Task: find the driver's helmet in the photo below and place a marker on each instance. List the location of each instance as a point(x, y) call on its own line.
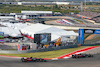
point(30, 57)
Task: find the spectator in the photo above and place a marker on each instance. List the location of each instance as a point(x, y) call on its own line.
point(66, 44)
point(41, 45)
point(44, 47)
point(47, 46)
point(56, 45)
point(51, 45)
point(37, 45)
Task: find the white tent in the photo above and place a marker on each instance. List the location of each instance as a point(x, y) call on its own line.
point(14, 25)
point(10, 32)
point(6, 17)
point(41, 28)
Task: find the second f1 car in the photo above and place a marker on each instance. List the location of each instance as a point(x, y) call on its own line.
point(81, 55)
point(33, 59)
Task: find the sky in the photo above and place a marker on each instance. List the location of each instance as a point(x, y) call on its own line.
point(50, 0)
point(63, 0)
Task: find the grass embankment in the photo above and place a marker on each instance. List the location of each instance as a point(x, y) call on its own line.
point(92, 38)
point(81, 22)
point(48, 54)
point(5, 8)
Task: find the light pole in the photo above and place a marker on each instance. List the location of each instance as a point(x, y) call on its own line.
point(5, 0)
point(90, 0)
point(85, 5)
point(81, 6)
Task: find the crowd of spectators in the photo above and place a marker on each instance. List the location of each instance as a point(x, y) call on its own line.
point(93, 15)
point(52, 45)
point(89, 14)
point(83, 25)
point(96, 19)
point(42, 46)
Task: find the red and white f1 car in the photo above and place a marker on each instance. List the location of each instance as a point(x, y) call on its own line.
point(33, 59)
point(81, 55)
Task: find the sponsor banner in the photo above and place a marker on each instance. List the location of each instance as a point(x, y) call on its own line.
point(89, 18)
point(83, 17)
point(1, 37)
point(97, 32)
point(89, 31)
point(43, 38)
point(78, 15)
point(81, 36)
point(86, 31)
point(64, 21)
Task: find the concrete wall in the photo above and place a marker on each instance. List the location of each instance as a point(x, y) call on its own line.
point(90, 44)
point(46, 49)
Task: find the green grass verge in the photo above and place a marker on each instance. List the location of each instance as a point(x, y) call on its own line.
point(18, 8)
point(79, 21)
point(48, 54)
point(1, 36)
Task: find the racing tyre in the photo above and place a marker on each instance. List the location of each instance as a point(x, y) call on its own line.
point(22, 59)
point(73, 56)
point(44, 61)
point(90, 55)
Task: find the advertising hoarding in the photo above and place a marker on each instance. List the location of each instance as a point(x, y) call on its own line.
point(42, 38)
point(86, 31)
point(1, 37)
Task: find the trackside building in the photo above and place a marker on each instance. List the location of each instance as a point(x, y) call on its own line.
point(41, 13)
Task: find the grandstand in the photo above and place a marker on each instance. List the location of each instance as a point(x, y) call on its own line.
point(92, 38)
point(90, 15)
point(97, 19)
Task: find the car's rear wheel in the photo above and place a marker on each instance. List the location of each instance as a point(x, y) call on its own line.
point(22, 59)
point(73, 56)
point(90, 55)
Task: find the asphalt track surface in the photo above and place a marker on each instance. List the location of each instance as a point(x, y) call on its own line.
point(71, 62)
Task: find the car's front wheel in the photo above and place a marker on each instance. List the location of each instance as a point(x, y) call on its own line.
point(22, 59)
